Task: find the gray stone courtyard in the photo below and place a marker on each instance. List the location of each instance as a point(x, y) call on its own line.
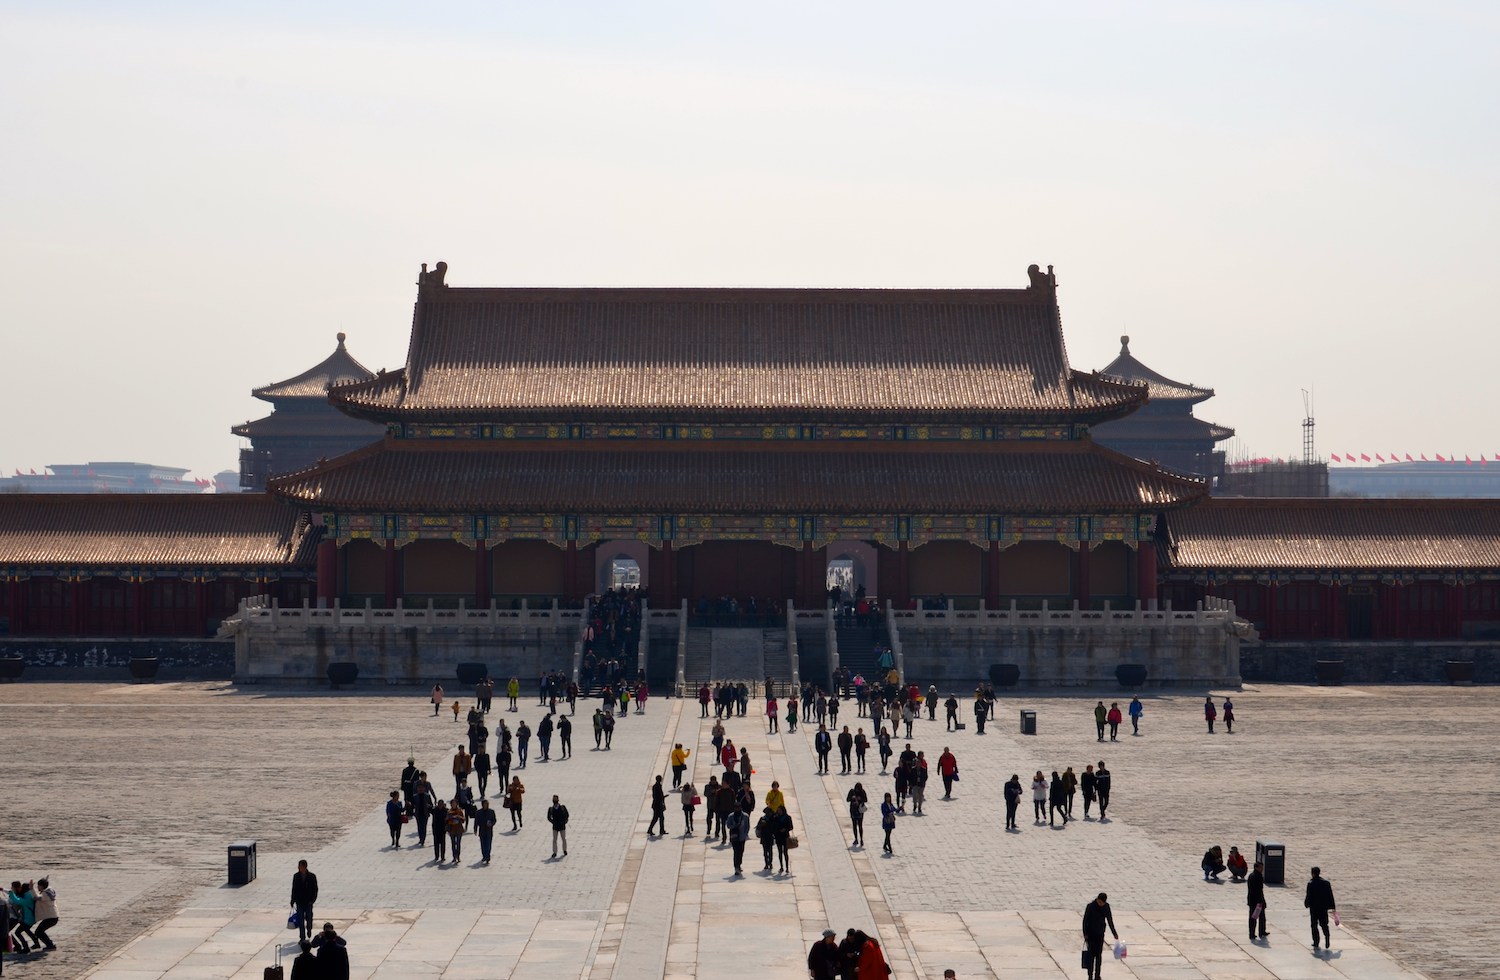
point(126, 796)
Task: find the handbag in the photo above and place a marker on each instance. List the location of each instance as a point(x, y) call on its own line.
point(1088, 959)
point(293, 920)
point(696, 801)
point(1120, 951)
point(863, 807)
point(955, 775)
point(792, 842)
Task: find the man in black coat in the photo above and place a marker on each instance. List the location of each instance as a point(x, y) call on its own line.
point(333, 957)
point(1096, 915)
point(823, 743)
point(658, 808)
point(1255, 898)
point(1319, 902)
point(846, 749)
point(304, 896)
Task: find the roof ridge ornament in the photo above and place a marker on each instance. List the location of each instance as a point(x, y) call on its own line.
point(1041, 281)
point(434, 279)
point(1125, 343)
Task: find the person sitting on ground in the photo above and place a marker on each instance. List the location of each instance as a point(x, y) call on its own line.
point(1238, 868)
point(1213, 863)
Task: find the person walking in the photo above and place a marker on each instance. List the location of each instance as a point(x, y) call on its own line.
point(463, 764)
point(598, 726)
point(823, 745)
point(782, 824)
point(609, 730)
point(917, 782)
point(1038, 797)
point(1210, 713)
point(765, 832)
point(704, 694)
point(1097, 915)
point(861, 746)
point(544, 737)
point(1012, 801)
point(523, 742)
point(888, 822)
point(1318, 900)
point(513, 796)
point(1114, 717)
point(689, 793)
point(738, 823)
point(1101, 717)
point(846, 750)
point(565, 736)
point(981, 712)
point(482, 771)
point(1228, 716)
point(746, 771)
point(1070, 788)
point(437, 699)
point(658, 808)
point(1101, 788)
point(513, 692)
point(932, 700)
point(1136, 710)
point(484, 829)
point(725, 799)
point(1057, 799)
point(1255, 899)
point(395, 815)
point(679, 764)
point(884, 738)
point(22, 906)
point(557, 816)
point(858, 801)
point(1089, 784)
point(948, 769)
point(458, 822)
point(440, 831)
point(304, 897)
point(45, 912)
point(771, 714)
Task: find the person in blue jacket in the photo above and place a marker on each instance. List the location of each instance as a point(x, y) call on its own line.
point(1136, 710)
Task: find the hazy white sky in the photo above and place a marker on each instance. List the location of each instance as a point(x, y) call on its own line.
point(1264, 196)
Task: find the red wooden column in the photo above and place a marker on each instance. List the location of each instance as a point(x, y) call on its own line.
point(1081, 581)
point(141, 619)
point(75, 613)
point(570, 573)
point(1398, 602)
point(903, 585)
point(1458, 595)
point(200, 599)
point(328, 572)
point(1270, 611)
point(392, 574)
point(17, 590)
point(1331, 619)
point(992, 577)
point(1145, 572)
point(481, 575)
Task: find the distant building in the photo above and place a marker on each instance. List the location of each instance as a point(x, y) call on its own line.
point(1164, 430)
point(227, 481)
point(1273, 478)
point(1425, 479)
point(103, 478)
point(303, 428)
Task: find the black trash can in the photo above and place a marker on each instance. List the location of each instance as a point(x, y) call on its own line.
point(1273, 855)
point(242, 862)
point(1028, 723)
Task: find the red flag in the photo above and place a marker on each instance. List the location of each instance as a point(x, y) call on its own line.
point(1424, 456)
point(1335, 457)
point(91, 472)
point(1440, 458)
point(1409, 459)
point(33, 472)
point(1467, 460)
point(1364, 457)
point(1379, 458)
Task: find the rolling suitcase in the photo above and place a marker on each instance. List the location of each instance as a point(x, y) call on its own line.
point(275, 972)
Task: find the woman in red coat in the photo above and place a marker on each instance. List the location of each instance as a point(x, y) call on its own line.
point(872, 961)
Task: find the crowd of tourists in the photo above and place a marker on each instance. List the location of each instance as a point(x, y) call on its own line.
point(30, 910)
point(610, 638)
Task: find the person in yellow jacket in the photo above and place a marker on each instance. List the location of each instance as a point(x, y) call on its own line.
point(513, 691)
point(679, 763)
point(775, 798)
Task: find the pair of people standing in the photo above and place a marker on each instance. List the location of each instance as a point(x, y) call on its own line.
point(1209, 714)
point(1110, 716)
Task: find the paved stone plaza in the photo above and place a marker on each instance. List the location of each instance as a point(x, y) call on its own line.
point(131, 793)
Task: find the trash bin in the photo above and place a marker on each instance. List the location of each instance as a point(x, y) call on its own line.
point(1028, 723)
point(242, 862)
point(1273, 855)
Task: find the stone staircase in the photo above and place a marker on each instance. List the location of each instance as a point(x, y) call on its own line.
point(857, 649)
point(776, 659)
point(700, 657)
point(738, 655)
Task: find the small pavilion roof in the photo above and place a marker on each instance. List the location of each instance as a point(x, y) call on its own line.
point(150, 530)
point(337, 368)
point(1336, 533)
point(1127, 369)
